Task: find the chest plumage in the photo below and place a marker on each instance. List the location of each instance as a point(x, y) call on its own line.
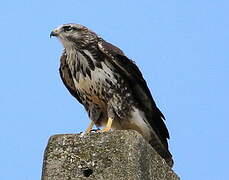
point(93, 76)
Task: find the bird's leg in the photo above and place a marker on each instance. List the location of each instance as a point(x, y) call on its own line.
point(111, 116)
point(108, 126)
point(89, 128)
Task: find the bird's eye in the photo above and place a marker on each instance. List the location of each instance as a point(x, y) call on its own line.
point(68, 28)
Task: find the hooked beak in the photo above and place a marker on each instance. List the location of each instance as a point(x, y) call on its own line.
point(53, 33)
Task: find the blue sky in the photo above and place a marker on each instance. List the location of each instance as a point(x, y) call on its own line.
point(180, 46)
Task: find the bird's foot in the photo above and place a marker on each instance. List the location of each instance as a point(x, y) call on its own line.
point(107, 127)
point(104, 130)
point(89, 128)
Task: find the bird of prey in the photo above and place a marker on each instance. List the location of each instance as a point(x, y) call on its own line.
point(110, 86)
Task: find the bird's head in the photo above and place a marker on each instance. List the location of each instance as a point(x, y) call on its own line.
point(74, 35)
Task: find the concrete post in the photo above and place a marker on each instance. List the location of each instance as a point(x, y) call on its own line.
point(110, 156)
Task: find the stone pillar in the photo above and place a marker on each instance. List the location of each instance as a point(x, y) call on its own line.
point(110, 156)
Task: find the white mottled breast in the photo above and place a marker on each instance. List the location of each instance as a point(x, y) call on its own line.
point(94, 84)
point(98, 75)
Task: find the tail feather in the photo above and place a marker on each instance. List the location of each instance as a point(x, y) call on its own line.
point(161, 150)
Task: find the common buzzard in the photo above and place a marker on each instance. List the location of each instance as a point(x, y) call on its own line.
point(110, 86)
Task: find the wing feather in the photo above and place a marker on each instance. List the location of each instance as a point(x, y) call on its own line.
point(139, 87)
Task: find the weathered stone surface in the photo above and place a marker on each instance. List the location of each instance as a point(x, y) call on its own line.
point(113, 155)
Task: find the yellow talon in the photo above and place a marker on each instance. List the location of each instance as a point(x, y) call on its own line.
point(89, 128)
point(108, 126)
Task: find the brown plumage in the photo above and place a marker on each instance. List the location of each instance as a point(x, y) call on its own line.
point(110, 86)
